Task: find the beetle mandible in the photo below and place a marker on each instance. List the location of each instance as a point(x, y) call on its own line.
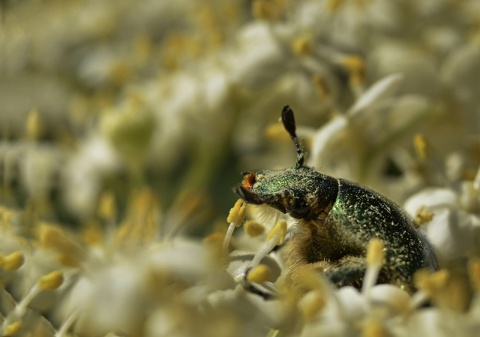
point(335, 220)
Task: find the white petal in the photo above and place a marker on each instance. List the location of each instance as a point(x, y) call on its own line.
point(378, 91)
point(323, 139)
point(431, 198)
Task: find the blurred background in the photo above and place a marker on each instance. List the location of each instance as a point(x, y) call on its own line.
point(125, 124)
point(99, 99)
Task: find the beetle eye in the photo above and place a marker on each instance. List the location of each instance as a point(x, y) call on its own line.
point(299, 209)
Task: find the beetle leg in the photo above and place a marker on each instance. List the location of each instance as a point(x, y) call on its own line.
point(348, 271)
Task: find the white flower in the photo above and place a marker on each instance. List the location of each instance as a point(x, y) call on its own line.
point(453, 231)
point(83, 173)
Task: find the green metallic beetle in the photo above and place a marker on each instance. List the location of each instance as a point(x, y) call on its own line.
point(336, 219)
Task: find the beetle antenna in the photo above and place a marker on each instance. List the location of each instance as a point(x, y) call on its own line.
point(289, 123)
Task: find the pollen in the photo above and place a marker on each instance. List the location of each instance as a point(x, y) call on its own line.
point(259, 274)
point(249, 180)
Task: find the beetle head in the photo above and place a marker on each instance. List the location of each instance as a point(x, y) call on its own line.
point(299, 191)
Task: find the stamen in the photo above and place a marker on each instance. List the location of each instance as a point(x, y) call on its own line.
point(107, 209)
point(51, 281)
point(267, 9)
point(275, 237)
point(476, 180)
point(259, 274)
point(302, 47)
point(12, 322)
point(421, 147)
point(311, 304)
point(321, 87)
point(374, 328)
point(34, 125)
point(237, 213)
point(474, 273)
point(12, 328)
point(423, 215)
point(235, 219)
point(375, 261)
point(253, 228)
point(430, 284)
point(67, 324)
point(13, 261)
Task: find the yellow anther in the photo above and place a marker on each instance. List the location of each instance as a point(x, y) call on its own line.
point(423, 215)
point(107, 209)
point(267, 9)
point(431, 282)
point(421, 146)
point(12, 328)
point(302, 47)
point(253, 228)
point(13, 261)
point(34, 125)
point(474, 273)
point(321, 87)
point(311, 304)
point(214, 240)
point(120, 72)
point(333, 5)
point(353, 63)
point(374, 328)
point(356, 67)
point(375, 252)
point(237, 213)
point(259, 274)
point(51, 281)
point(56, 238)
point(278, 232)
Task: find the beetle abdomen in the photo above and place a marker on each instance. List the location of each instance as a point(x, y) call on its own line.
point(360, 214)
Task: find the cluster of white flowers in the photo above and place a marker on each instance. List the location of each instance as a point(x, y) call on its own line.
point(121, 125)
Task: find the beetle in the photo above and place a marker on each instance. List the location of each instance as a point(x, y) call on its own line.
point(335, 220)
